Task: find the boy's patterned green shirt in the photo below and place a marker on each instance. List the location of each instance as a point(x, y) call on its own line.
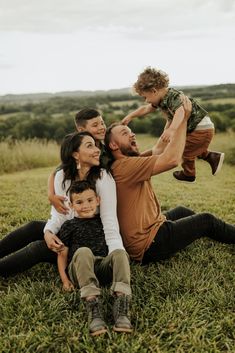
point(171, 102)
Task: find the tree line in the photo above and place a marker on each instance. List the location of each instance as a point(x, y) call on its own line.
point(53, 118)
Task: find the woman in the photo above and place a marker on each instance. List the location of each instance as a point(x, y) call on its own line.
point(27, 245)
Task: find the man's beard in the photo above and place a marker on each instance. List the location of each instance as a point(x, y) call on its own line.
point(127, 151)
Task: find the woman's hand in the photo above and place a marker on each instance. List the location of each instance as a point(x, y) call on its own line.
point(53, 242)
point(68, 286)
point(58, 202)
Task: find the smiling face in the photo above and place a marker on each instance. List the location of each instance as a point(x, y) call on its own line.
point(88, 154)
point(85, 203)
point(124, 139)
point(96, 127)
point(152, 97)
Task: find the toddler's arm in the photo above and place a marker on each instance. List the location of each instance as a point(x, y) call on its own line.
point(56, 200)
point(62, 260)
point(141, 111)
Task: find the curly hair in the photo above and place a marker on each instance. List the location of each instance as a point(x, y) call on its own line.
point(150, 79)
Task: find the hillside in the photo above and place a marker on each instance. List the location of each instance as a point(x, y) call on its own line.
point(206, 92)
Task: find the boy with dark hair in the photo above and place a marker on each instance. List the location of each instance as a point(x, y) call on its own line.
point(152, 85)
point(88, 263)
point(90, 120)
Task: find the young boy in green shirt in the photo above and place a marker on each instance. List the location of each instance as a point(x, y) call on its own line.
point(152, 85)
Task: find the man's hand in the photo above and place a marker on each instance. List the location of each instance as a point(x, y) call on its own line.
point(167, 135)
point(68, 286)
point(58, 202)
point(53, 242)
point(187, 104)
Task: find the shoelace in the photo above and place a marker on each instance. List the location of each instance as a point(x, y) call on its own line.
point(96, 310)
point(122, 306)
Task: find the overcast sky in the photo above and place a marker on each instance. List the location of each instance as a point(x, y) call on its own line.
point(58, 45)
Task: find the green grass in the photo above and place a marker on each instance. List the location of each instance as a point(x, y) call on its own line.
point(185, 304)
point(220, 101)
point(29, 154)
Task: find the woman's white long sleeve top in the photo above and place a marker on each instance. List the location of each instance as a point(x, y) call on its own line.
point(106, 190)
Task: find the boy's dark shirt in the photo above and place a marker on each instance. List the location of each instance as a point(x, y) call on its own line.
point(84, 232)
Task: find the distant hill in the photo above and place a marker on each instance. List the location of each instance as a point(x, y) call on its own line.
point(38, 97)
point(222, 90)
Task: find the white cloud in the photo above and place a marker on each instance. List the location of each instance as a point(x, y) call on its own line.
point(98, 44)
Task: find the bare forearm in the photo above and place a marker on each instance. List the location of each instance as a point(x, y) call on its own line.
point(160, 145)
point(62, 260)
point(51, 189)
point(175, 147)
point(172, 154)
point(141, 111)
point(177, 120)
point(156, 150)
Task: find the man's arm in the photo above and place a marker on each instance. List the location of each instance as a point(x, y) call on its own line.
point(141, 111)
point(172, 154)
point(62, 260)
point(56, 200)
point(177, 119)
point(158, 148)
point(168, 132)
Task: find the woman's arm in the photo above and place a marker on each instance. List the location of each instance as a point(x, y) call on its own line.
point(53, 242)
point(62, 260)
point(106, 189)
point(57, 219)
point(56, 200)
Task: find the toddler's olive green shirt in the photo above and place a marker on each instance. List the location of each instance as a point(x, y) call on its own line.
point(172, 101)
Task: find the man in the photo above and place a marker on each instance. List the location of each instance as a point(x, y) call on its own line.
point(149, 235)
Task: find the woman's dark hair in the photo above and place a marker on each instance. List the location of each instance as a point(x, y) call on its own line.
point(70, 144)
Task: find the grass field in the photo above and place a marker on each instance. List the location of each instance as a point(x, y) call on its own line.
point(29, 154)
point(221, 101)
point(185, 304)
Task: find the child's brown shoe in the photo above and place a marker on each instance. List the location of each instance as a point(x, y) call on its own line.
point(179, 175)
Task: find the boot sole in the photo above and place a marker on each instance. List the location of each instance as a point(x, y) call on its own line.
point(220, 164)
point(186, 181)
point(122, 329)
point(98, 332)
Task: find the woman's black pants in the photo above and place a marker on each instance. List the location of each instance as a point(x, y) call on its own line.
point(24, 248)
